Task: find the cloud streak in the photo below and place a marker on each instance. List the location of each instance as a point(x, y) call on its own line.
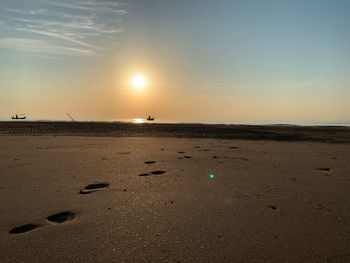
point(42, 47)
point(301, 83)
point(91, 6)
point(78, 27)
point(311, 81)
point(25, 12)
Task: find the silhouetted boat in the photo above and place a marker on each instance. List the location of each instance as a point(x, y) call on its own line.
point(18, 117)
point(150, 118)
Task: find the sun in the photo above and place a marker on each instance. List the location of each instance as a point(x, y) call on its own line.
point(139, 81)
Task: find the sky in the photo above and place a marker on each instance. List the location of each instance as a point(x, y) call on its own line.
point(223, 61)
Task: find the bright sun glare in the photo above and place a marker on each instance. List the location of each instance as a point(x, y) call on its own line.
point(139, 81)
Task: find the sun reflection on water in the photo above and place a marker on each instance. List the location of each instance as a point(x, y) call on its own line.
point(138, 120)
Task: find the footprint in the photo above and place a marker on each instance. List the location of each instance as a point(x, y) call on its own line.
point(61, 217)
point(149, 162)
point(272, 207)
point(93, 188)
point(323, 169)
point(86, 192)
point(204, 150)
point(153, 173)
point(196, 147)
point(188, 157)
point(181, 152)
point(233, 147)
point(23, 229)
point(158, 172)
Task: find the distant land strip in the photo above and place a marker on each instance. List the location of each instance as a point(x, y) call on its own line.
point(328, 134)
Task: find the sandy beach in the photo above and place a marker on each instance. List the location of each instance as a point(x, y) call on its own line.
point(133, 195)
point(174, 131)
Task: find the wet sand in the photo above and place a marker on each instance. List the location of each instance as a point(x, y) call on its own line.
point(332, 134)
point(163, 199)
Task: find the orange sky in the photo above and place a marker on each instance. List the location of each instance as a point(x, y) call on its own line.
point(218, 62)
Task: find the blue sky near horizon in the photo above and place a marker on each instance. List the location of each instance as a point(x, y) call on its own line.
point(206, 61)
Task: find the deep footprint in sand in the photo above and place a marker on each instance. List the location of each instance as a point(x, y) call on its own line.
point(272, 207)
point(158, 172)
point(23, 229)
point(324, 169)
point(93, 188)
point(61, 217)
point(149, 162)
point(188, 157)
point(86, 192)
point(153, 173)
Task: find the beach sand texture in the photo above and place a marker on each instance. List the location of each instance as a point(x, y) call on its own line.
point(88, 199)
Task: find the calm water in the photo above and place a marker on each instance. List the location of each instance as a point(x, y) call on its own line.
point(143, 120)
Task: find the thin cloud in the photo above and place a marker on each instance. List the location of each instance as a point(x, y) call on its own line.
point(25, 12)
point(93, 6)
point(42, 47)
point(311, 81)
point(60, 36)
point(301, 84)
point(82, 27)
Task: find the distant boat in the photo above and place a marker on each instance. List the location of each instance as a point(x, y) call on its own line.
point(150, 118)
point(18, 117)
